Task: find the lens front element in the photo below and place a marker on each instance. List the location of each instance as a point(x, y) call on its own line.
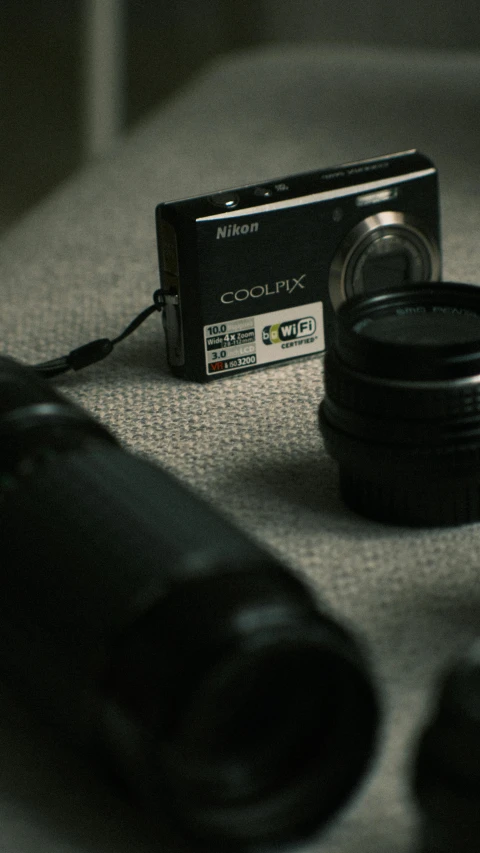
point(388, 249)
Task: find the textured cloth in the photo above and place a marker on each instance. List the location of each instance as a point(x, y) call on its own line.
point(83, 263)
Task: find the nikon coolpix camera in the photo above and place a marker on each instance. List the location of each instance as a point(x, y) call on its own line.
point(253, 276)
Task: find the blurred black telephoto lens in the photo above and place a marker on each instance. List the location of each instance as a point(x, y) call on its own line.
point(401, 412)
point(151, 631)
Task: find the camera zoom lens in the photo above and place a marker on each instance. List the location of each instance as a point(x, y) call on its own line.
point(401, 413)
point(164, 643)
point(386, 250)
point(387, 258)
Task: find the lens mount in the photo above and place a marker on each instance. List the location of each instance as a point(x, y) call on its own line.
point(386, 238)
point(401, 413)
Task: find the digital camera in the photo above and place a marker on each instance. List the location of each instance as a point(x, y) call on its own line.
point(253, 276)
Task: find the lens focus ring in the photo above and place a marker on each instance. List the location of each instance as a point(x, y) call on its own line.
point(392, 398)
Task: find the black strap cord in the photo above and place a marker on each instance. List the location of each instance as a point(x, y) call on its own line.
point(96, 350)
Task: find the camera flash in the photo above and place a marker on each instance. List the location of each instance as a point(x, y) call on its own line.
point(378, 197)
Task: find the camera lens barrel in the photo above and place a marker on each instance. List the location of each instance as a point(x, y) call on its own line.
point(155, 634)
point(401, 412)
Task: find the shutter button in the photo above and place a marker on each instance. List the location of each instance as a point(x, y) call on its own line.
point(225, 200)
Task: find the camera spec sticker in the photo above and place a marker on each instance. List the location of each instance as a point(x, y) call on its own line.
point(264, 338)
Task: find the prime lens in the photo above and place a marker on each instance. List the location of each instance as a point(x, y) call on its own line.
point(401, 413)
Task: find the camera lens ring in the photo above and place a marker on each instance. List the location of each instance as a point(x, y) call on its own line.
point(237, 741)
point(401, 413)
point(306, 791)
point(407, 231)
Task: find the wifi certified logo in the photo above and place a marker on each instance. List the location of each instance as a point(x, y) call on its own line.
point(289, 330)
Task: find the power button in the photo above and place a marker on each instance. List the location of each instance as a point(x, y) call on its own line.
point(226, 200)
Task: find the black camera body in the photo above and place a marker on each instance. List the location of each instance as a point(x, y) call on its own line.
point(253, 276)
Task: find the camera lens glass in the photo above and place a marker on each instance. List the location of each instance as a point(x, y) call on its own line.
point(401, 413)
point(386, 250)
point(387, 258)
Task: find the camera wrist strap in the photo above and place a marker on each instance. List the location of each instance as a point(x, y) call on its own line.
point(97, 350)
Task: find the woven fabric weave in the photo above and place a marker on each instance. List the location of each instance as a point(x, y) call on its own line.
point(83, 263)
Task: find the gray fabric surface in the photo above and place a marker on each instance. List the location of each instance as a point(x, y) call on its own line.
point(84, 262)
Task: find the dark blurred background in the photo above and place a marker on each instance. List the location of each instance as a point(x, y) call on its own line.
point(76, 74)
